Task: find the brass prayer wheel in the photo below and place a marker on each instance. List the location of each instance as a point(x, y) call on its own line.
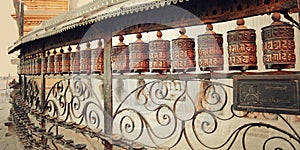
point(242, 48)
point(278, 45)
point(75, 60)
point(97, 59)
point(183, 53)
point(50, 66)
point(66, 61)
point(159, 54)
point(58, 62)
point(120, 57)
point(139, 55)
point(210, 50)
point(85, 59)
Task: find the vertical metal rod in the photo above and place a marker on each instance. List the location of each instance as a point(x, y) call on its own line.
point(43, 92)
point(43, 80)
point(24, 90)
point(107, 92)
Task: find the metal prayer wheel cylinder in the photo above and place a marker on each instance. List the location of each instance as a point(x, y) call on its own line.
point(139, 55)
point(50, 65)
point(26, 68)
point(75, 60)
point(28, 65)
point(210, 50)
point(22, 64)
point(183, 53)
point(32, 65)
point(97, 59)
point(66, 61)
point(278, 45)
point(85, 59)
point(159, 54)
point(242, 48)
point(120, 57)
point(44, 64)
point(58, 62)
point(38, 64)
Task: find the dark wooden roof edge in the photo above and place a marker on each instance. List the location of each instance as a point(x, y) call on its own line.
point(97, 12)
point(90, 13)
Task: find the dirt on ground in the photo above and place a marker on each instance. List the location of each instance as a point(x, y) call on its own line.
point(10, 142)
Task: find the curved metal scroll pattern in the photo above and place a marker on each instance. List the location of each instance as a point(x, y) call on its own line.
point(33, 94)
point(74, 101)
point(206, 121)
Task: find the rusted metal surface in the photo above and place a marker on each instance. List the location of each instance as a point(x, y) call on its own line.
point(50, 64)
point(183, 53)
point(139, 55)
point(120, 57)
point(75, 60)
point(242, 48)
point(38, 64)
point(97, 59)
point(210, 50)
point(278, 44)
point(66, 61)
point(85, 59)
point(159, 54)
point(44, 64)
point(58, 62)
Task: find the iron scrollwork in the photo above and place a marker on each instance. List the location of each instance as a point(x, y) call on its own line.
point(33, 94)
point(74, 101)
point(161, 123)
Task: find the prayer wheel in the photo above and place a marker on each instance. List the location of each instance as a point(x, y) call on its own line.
point(120, 57)
point(44, 61)
point(242, 48)
point(75, 60)
point(183, 53)
point(58, 62)
point(210, 50)
point(139, 55)
point(159, 54)
point(278, 45)
point(38, 64)
point(85, 59)
point(97, 59)
point(66, 61)
point(27, 65)
point(32, 64)
point(50, 66)
point(22, 64)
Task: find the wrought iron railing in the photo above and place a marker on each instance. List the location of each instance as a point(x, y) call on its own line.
point(156, 114)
